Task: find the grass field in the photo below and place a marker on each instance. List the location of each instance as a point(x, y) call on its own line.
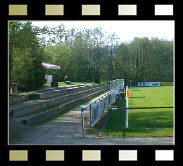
point(143, 122)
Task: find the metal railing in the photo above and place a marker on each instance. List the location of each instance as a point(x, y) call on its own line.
point(116, 86)
point(97, 101)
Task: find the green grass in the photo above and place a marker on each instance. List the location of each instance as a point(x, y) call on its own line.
point(143, 122)
point(151, 96)
point(14, 137)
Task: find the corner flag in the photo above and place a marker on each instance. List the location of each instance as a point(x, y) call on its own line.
point(127, 92)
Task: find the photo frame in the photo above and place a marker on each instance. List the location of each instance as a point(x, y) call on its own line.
point(29, 155)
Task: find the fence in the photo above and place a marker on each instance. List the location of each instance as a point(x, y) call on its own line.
point(98, 107)
point(101, 104)
point(117, 84)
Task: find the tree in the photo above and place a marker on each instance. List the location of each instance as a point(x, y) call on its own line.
point(97, 56)
point(27, 56)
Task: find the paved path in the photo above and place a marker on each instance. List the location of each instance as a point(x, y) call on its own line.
point(66, 130)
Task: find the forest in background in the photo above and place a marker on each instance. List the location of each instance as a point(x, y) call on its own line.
point(84, 55)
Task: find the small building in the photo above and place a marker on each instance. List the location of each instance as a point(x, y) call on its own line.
point(49, 78)
point(50, 66)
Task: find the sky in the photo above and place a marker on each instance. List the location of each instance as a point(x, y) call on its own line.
point(126, 30)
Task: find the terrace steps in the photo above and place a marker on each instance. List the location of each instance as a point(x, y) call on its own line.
point(33, 111)
point(30, 95)
point(40, 95)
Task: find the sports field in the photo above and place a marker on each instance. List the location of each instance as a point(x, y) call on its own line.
point(143, 122)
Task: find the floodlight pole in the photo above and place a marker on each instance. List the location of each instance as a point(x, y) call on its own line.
point(83, 127)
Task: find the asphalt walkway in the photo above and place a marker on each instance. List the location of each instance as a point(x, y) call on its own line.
point(67, 130)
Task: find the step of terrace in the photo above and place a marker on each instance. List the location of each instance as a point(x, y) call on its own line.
point(26, 95)
point(42, 115)
point(47, 89)
point(21, 99)
point(34, 105)
point(59, 91)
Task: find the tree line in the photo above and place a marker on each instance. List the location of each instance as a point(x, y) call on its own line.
point(84, 55)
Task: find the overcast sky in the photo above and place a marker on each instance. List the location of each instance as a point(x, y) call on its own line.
point(126, 30)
